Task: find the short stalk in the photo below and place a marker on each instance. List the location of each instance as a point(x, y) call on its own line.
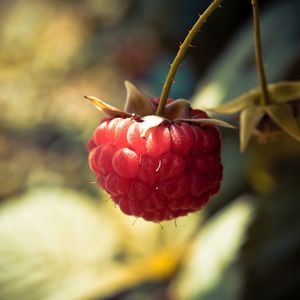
point(180, 54)
point(258, 55)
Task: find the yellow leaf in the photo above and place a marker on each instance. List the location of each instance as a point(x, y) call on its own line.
point(283, 116)
point(247, 99)
point(284, 91)
point(249, 119)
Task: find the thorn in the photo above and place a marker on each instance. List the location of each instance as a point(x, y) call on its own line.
point(92, 182)
point(192, 46)
point(161, 227)
point(133, 223)
point(175, 222)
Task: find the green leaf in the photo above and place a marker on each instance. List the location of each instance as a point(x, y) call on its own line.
point(136, 101)
point(283, 116)
point(284, 91)
point(108, 109)
point(247, 99)
point(249, 119)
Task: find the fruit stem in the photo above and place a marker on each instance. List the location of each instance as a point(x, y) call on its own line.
point(258, 54)
point(180, 54)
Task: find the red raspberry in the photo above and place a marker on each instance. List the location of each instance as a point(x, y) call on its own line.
point(160, 174)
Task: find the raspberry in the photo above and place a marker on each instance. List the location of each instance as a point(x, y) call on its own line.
point(159, 174)
point(157, 168)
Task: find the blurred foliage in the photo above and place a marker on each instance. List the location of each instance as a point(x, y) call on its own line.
point(60, 237)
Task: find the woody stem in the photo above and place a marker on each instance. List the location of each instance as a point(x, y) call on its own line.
point(180, 54)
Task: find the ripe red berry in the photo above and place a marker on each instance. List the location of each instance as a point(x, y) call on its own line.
point(161, 173)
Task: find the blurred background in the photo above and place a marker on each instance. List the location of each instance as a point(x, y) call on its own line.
point(60, 237)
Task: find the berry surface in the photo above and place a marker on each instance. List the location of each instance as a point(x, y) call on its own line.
point(169, 171)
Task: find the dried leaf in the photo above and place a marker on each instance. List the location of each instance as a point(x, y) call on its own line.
point(284, 91)
point(136, 101)
point(176, 109)
point(283, 116)
point(150, 122)
point(249, 119)
point(239, 103)
point(108, 109)
point(208, 122)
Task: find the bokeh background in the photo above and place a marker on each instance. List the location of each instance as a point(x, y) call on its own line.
point(60, 237)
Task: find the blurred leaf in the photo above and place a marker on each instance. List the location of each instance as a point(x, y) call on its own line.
point(205, 271)
point(283, 116)
point(284, 91)
point(249, 119)
point(58, 244)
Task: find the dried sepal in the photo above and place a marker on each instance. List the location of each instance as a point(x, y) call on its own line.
point(149, 123)
point(249, 119)
point(284, 91)
point(108, 109)
point(136, 101)
point(177, 109)
point(282, 115)
point(206, 121)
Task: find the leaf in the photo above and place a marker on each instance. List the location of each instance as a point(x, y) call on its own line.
point(249, 119)
point(247, 99)
point(283, 116)
point(136, 101)
point(284, 91)
point(176, 109)
point(205, 121)
point(150, 122)
point(108, 109)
